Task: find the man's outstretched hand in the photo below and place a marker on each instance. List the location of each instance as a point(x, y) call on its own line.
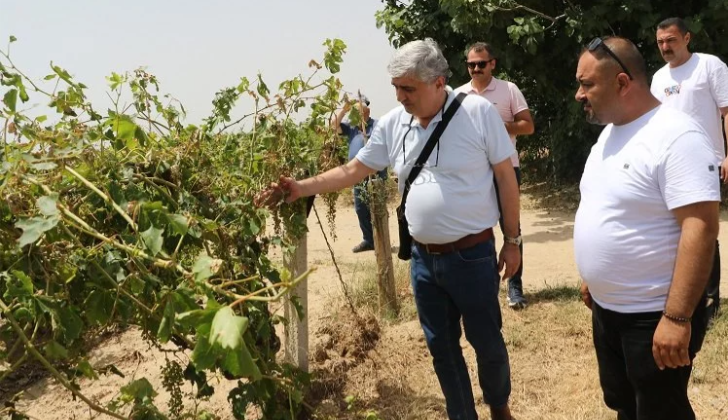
point(286, 188)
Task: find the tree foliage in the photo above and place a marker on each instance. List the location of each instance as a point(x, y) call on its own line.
point(129, 217)
point(538, 44)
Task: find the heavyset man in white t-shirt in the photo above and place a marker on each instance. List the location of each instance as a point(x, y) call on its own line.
point(451, 210)
point(696, 84)
point(513, 109)
point(644, 235)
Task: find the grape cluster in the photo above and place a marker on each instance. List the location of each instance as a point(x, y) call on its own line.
point(172, 380)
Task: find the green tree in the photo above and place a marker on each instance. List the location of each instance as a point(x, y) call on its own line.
point(538, 45)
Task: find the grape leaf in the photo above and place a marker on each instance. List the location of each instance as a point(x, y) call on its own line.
point(33, 228)
point(153, 239)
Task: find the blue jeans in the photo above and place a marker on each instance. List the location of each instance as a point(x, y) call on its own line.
point(363, 214)
point(449, 287)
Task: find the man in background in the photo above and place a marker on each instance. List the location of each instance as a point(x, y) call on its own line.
point(356, 140)
point(513, 110)
point(696, 84)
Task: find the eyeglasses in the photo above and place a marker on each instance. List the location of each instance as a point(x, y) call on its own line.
point(480, 64)
point(598, 42)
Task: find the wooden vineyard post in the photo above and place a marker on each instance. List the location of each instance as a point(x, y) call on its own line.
point(296, 329)
point(388, 304)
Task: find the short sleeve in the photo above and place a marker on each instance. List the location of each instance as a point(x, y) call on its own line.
point(719, 82)
point(655, 87)
point(498, 145)
point(375, 154)
point(518, 101)
point(687, 171)
point(346, 129)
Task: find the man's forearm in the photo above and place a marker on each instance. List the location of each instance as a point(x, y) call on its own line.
point(692, 267)
point(521, 127)
point(335, 179)
point(338, 118)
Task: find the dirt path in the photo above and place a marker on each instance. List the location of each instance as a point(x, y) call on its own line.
point(547, 236)
point(398, 381)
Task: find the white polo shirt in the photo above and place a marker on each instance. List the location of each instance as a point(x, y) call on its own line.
point(453, 196)
point(698, 87)
point(507, 99)
point(625, 234)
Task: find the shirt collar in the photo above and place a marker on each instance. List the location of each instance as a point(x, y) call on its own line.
point(491, 86)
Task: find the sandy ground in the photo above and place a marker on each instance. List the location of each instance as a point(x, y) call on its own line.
point(549, 262)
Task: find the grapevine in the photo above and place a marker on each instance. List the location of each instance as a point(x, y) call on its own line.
point(129, 217)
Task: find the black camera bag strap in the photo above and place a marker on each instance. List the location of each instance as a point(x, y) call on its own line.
point(429, 147)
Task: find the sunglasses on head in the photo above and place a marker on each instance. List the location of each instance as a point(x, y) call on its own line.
point(598, 42)
point(478, 64)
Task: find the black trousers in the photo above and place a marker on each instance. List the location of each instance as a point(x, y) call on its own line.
point(633, 385)
point(517, 279)
point(713, 289)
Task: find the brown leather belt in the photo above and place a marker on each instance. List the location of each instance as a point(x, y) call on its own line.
point(462, 243)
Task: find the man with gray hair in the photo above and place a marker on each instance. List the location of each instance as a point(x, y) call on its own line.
point(451, 209)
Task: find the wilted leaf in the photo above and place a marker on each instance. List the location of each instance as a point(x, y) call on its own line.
point(86, 369)
point(126, 130)
point(203, 356)
point(164, 332)
point(205, 267)
point(153, 239)
point(138, 391)
point(47, 205)
point(254, 228)
point(227, 329)
point(18, 285)
point(44, 166)
point(99, 305)
point(71, 324)
point(63, 74)
point(240, 364)
point(226, 335)
point(178, 223)
point(11, 99)
point(34, 228)
point(55, 351)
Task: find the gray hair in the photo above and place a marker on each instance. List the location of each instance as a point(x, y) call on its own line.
point(421, 59)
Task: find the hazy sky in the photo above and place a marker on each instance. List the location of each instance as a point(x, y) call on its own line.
point(196, 48)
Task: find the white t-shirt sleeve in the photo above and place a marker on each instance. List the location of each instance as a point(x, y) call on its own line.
point(687, 171)
point(656, 88)
point(375, 154)
point(718, 78)
point(498, 145)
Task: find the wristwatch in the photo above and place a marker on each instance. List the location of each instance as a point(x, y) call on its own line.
point(513, 241)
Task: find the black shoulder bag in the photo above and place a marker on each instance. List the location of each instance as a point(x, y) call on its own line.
point(405, 239)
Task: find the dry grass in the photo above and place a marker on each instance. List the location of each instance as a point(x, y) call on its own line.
point(554, 371)
point(365, 294)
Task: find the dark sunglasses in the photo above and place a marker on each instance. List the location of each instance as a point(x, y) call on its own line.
point(598, 42)
point(478, 64)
